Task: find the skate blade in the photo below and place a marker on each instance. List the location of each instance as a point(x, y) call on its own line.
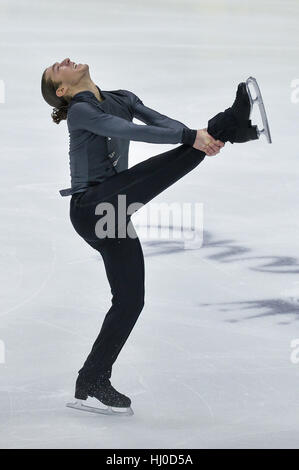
point(109, 410)
point(259, 100)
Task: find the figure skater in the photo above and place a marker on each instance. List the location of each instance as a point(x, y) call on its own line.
point(100, 129)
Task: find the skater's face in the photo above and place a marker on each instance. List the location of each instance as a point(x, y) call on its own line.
point(67, 74)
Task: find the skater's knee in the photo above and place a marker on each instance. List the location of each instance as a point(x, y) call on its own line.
point(138, 303)
point(141, 303)
point(131, 303)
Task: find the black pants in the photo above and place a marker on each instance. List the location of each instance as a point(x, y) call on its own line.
point(123, 257)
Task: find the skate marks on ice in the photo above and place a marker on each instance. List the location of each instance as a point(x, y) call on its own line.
point(23, 267)
point(276, 264)
point(6, 408)
point(231, 252)
point(185, 396)
point(287, 303)
point(271, 307)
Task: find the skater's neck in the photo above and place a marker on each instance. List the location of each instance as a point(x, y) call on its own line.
point(91, 87)
point(88, 86)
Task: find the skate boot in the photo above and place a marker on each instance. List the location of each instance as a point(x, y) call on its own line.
point(234, 124)
point(115, 403)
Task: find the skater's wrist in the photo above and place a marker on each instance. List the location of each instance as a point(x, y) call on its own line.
point(188, 136)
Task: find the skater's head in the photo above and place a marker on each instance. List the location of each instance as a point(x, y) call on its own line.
point(60, 82)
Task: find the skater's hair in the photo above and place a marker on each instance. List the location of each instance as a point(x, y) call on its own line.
point(48, 89)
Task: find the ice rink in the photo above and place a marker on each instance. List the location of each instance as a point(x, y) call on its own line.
point(212, 360)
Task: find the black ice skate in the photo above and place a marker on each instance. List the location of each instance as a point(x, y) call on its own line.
point(115, 403)
point(234, 124)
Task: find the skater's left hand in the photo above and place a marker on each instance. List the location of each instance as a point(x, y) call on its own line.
point(206, 143)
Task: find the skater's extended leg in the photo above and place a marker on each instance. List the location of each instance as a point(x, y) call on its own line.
point(140, 184)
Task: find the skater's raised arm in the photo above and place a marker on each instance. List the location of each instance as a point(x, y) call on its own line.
point(151, 116)
point(84, 115)
point(199, 139)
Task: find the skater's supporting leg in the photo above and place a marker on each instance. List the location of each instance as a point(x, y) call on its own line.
point(124, 264)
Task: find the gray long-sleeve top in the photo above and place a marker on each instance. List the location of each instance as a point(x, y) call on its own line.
point(100, 134)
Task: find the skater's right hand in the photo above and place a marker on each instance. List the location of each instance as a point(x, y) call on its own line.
point(206, 143)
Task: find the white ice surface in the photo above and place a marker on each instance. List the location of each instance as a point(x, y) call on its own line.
point(208, 362)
